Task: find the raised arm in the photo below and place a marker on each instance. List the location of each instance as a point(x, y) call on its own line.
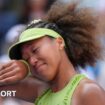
point(28, 89)
point(13, 77)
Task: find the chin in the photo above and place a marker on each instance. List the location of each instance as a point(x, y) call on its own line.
point(45, 78)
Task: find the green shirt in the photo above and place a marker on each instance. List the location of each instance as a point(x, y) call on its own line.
point(62, 97)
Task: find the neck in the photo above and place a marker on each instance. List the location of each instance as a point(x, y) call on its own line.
point(65, 73)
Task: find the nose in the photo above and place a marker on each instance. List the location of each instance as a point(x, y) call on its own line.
point(33, 61)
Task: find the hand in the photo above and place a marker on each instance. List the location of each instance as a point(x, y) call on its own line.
point(13, 72)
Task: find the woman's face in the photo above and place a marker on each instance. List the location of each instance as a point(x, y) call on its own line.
point(43, 56)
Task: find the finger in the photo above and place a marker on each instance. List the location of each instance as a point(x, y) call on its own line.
point(8, 74)
point(7, 69)
point(9, 80)
point(3, 66)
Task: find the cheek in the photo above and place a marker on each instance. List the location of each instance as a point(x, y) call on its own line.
point(51, 54)
point(53, 58)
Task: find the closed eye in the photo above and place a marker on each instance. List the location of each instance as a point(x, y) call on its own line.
point(26, 59)
point(35, 50)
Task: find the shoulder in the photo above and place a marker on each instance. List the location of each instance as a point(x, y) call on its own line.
point(89, 93)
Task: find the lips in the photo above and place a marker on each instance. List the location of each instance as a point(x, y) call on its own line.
point(39, 65)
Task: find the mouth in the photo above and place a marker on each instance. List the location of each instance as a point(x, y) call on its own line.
point(39, 66)
point(39, 71)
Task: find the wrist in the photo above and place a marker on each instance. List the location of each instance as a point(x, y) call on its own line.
point(27, 65)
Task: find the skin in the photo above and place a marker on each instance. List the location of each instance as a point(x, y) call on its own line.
point(27, 89)
point(50, 64)
point(52, 70)
point(11, 72)
point(88, 93)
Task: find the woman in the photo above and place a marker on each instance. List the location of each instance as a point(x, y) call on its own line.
point(54, 47)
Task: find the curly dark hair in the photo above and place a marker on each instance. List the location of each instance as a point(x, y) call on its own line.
point(78, 27)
